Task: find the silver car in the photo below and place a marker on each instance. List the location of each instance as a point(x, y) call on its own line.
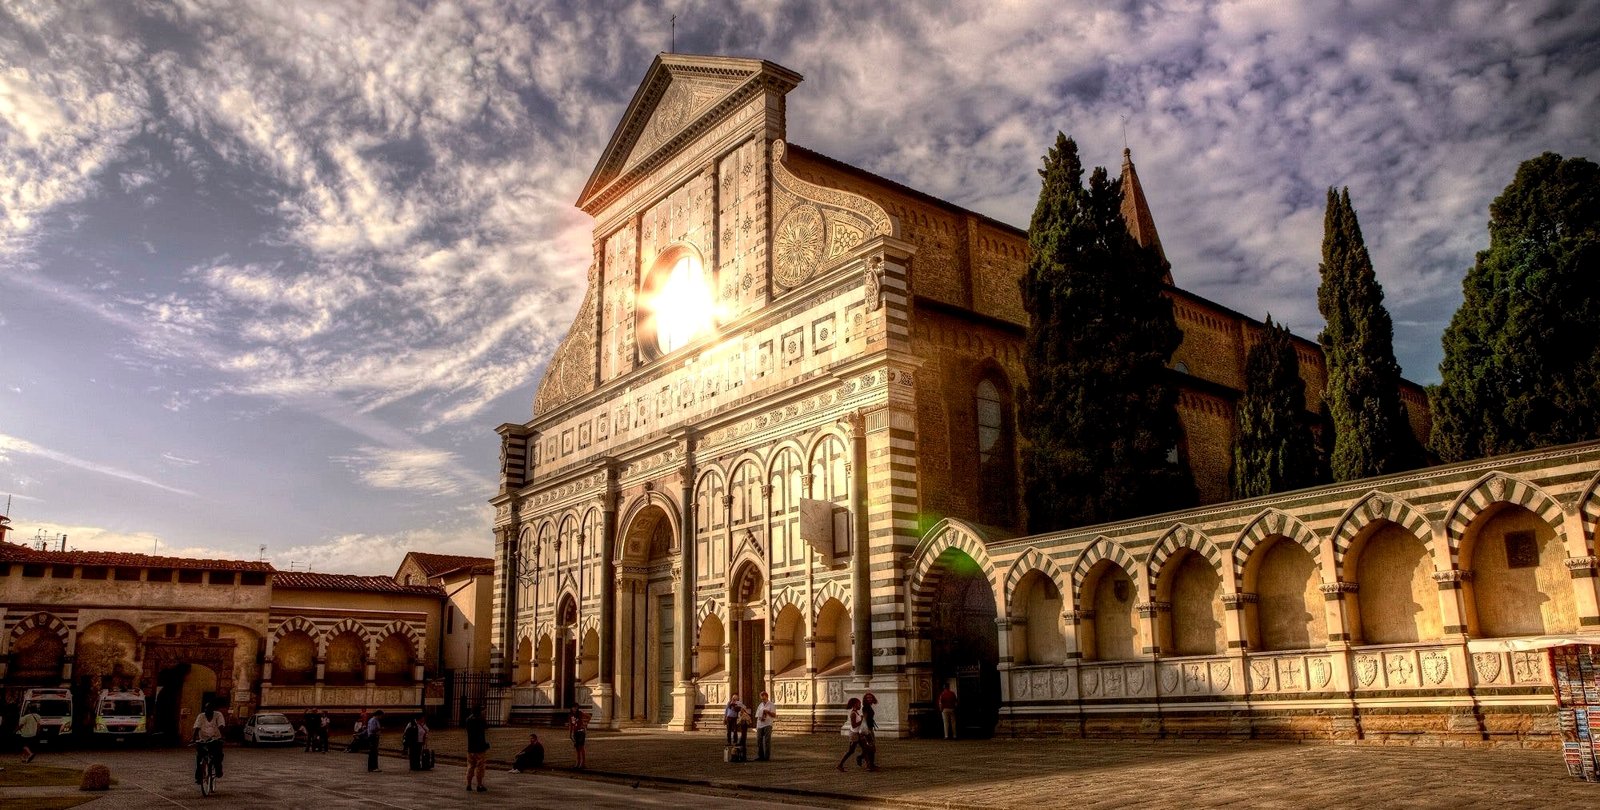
point(268, 729)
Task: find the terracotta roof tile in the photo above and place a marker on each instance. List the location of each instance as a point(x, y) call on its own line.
point(435, 564)
point(314, 581)
point(12, 552)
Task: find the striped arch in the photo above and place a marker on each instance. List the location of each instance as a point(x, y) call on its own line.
point(46, 620)
point(1589, 514)
point(946, 536)
point(344, 626)
point(1273, 523)
point(1103, 548)
point(707, 471)
point(707, 607)
point(589, 622)
point(1181, 536)
point(405, 629)
point(290, 625)
point(1373, 507)
point(834, 589)
point(789, 595)
point(633, 533)
point(1032, 560)
point(1496, 488)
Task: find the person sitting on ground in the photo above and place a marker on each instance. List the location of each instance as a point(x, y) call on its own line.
point(530, 757)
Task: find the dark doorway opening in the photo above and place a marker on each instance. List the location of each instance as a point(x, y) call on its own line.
point(966, 643)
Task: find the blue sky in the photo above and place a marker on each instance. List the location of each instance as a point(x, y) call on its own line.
point(270, 273)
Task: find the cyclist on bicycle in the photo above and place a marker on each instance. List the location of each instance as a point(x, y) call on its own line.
point(208, 737)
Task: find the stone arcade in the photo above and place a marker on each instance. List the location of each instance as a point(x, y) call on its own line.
point(777, 451)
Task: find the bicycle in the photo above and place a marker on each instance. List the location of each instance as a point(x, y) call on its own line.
point(205, 767)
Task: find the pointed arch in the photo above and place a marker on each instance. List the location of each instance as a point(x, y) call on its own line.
point(292, 624)
point(1103, 548)
point(1495, 488)
point(708, 607)
point(786, 596)
point(946, 535)
point(834, 589)
point(1589, 514)
point(1273, 523)
point(403, 628)
point(1032, 560)
point(346, 626)
point(1181, 536)
point(1379, 506)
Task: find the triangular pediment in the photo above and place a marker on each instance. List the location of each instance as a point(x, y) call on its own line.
point(680, 95)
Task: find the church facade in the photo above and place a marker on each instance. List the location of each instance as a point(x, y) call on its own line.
point(777, 452)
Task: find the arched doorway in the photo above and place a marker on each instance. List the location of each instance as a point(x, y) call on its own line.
point(183, 690)
point(965, 641)
point(747, 610)
point(646, 647)
point(567, 650)
point(189, 665)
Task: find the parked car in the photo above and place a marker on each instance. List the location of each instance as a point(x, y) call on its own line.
point(268, 729)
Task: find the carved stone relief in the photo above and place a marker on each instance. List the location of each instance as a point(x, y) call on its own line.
point(815, 227)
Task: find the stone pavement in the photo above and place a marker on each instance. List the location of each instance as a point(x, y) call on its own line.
point(1064, 772)
point(286, 779)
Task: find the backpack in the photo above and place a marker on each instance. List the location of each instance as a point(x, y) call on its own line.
point(410, 737)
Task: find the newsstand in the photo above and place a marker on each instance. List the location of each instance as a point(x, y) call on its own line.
point(1576, 669)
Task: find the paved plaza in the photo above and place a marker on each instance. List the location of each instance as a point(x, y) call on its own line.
point(926, 773)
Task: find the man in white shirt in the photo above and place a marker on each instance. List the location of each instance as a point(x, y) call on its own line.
point(766, 713)
point(207, 734)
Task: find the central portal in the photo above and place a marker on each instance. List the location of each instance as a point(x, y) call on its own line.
point(646, 666)
point(747, 610)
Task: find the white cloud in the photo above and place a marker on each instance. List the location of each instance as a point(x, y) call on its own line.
point(99, 538)
point(381, 553)
point(435, 472)
point(13, 446)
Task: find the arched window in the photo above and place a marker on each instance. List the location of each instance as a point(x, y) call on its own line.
point(997, 461)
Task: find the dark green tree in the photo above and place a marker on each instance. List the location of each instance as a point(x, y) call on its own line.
point(1273, 449)
point(1372, 432)
point(1099, 413)
point(1521, 364)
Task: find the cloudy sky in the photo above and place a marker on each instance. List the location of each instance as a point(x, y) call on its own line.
point(270, 273)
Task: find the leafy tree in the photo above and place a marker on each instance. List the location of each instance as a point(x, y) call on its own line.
point(1372, 432)
point(1521, 364)
point(1273, 449)
point(1099, 413)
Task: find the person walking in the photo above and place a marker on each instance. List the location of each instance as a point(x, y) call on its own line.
point(207, 735)
point(852, 728)
point(766, 713)
point(869, 732)
point(28, 730)
point(477, 748)
point(374, 726)
point(578, 728)
point(530, 757)
point(947, 708)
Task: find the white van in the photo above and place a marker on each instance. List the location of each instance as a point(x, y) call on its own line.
point(119, 714)
point(54, 707)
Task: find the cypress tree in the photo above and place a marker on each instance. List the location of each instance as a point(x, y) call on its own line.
point(1372, 433)
point(1521, 364)
point(1273, 449)
point(1099, 414)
